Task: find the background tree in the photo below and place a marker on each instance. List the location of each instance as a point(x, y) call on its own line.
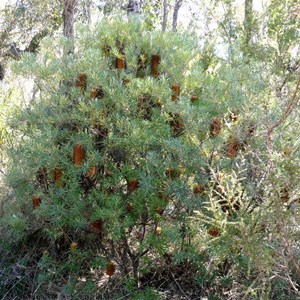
point(134, 7)
point(24, 24)
point(165, 15)
point(68, 18)
point(248, 26)
point(177, 5)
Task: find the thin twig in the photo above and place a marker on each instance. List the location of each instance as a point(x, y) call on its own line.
point(6, 294)
point(289, 109)
point(292, 257)
point(182, 291)
point(293, 285)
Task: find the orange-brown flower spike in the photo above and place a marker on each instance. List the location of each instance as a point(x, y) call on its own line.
point(93, 93)
point(284, 195)
point(215, 127)
point(42, 175)
point(57, 177)
point(97, 93)
point(155, 61)
point(120, 63)
point(159, 210)
point(198, 189)
point(79, 155)
point(176, 91)
point(133, 184)
point(97, 226)
point(232, 148)
point(110, 269)
point(171, 173)
point(92, 172)
point(213, 231)
point(36, 201)
point(129, 207)
point(82, 82)
point(126, 81)
point(194, 98)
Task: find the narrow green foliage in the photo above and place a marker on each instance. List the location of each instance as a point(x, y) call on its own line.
point(141, 157)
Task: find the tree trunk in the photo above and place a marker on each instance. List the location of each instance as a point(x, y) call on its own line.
point(68, 22)
point(133, 7)
point(177, 6)
point(68, 18)
point(248, 21)
point(87, 11)
point(15, 52)
point(1, 72)
point(165, 15)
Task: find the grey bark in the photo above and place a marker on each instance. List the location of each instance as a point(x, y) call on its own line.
point(68, 18)
point(165, 15)
point(68, 30)
point(15, 52)
point(248, 21)
point(134, 7)
point(177, 6)
point(68, 23)
point(1, 72)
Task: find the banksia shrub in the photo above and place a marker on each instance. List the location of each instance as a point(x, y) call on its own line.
point(108, 143)
point(121, 147)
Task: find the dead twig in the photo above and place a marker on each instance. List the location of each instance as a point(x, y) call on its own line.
point(180, 288)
